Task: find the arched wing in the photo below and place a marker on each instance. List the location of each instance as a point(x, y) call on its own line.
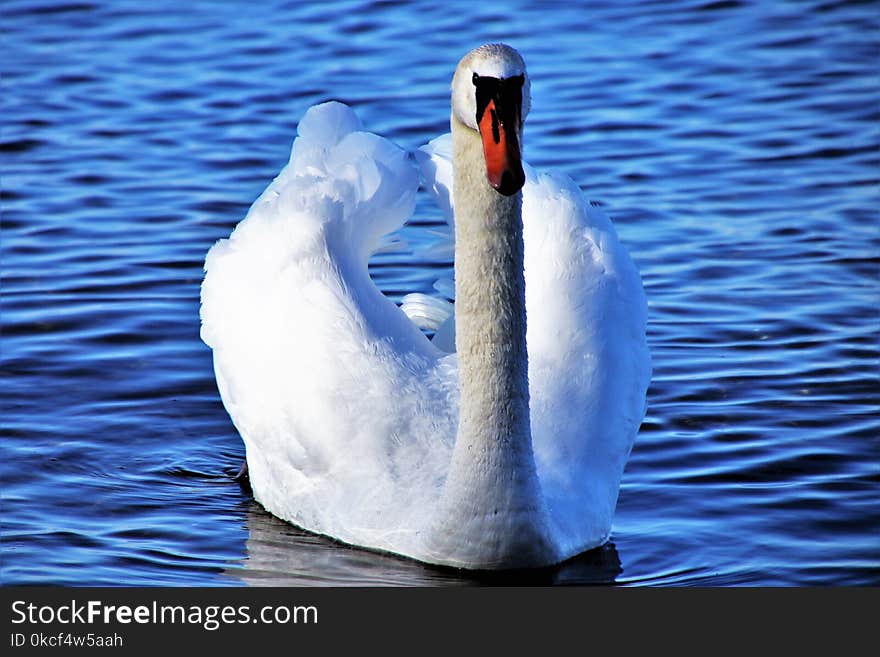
point(331, 386)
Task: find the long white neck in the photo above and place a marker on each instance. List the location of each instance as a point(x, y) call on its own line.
point(492, 489)
point(490, 309)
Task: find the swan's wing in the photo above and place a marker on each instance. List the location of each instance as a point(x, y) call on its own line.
point(435, 312)
point(589, 366)
point(435, 161)
point(332, 388)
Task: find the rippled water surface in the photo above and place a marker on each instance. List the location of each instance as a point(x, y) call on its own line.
point(735, 145)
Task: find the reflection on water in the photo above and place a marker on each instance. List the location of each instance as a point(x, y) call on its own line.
point(279, 554)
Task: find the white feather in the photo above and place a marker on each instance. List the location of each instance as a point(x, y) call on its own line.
point(348, 412)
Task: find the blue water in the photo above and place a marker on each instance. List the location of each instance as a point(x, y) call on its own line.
point(735, 144)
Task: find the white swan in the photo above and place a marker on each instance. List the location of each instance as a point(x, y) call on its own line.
point(508, 453)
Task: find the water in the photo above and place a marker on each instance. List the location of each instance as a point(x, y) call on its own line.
point(735, 144)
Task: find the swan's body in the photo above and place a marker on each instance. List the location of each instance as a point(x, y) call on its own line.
point(507, 453)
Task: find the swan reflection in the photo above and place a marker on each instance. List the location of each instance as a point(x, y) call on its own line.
point(279, 554)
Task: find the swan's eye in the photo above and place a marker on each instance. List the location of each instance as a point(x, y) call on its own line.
point(475, 78)
point(520, 79)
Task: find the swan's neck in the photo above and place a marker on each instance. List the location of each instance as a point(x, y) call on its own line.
point(492, 499)
point(490, 312)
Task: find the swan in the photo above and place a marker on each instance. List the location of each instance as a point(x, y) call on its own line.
point(501, 442)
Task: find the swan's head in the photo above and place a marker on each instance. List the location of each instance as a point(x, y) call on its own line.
point(490, 94)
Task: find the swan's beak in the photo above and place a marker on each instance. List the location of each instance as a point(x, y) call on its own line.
point(500, 126)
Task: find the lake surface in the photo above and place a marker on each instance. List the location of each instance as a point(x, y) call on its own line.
point(736, 145)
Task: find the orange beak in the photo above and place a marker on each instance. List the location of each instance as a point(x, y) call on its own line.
point(499, 128)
